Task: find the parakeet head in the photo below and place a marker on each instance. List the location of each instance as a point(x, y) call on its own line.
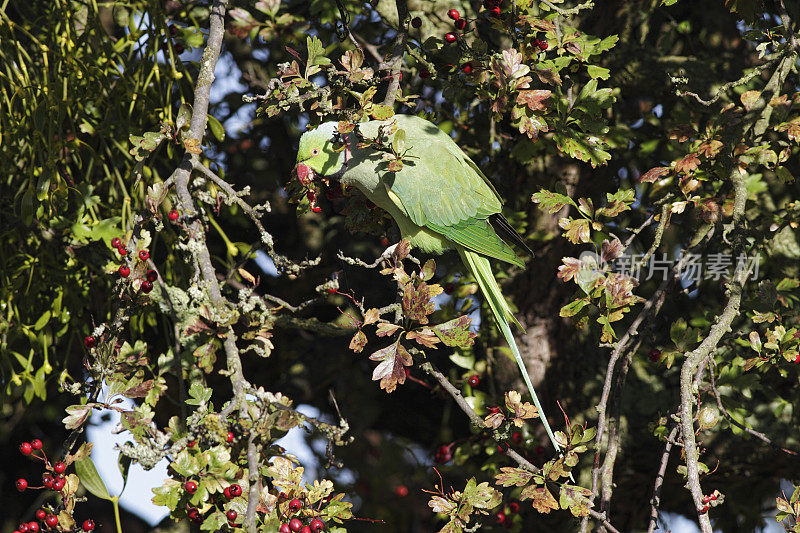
point(316, 154)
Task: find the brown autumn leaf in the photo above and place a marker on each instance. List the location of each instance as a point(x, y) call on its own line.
point(391, 370)
point(653, 174)
point(689, 163)
point(535, 99)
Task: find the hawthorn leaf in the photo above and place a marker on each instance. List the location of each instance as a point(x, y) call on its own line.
point(391, 370)
point(456, 333)
point(510, 477)
point(541, 498)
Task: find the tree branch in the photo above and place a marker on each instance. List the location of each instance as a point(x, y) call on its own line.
point(662, 469)
point(396, 61)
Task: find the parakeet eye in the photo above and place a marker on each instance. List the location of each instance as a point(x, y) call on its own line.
point(315, 151)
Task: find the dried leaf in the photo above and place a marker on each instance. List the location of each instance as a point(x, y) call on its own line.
point(391, 370)
point(653, 174)
point(358, 341)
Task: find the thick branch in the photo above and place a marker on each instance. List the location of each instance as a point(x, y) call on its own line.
point(396, 61)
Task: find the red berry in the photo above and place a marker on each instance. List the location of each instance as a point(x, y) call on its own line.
point(25, 448)
point(36, 444)
point(151, 275)
point(416, 22)
point(41, 514)
point(191, 444)
point(121, 250)
point(147, 286)
point(23, 528)
point(33, 527)
point(144, 255)
point(516, 437)
point(316, 525)
point(284, 528)
point(48, 481)
point(22, 484)
point(236, 490)
point(543, 45)
point(495, 11)
point(59, 467)
point(229, 437)
point(316, 209)
point(173, 215)
point(305, 529)
point(424, 73)
point(454, 14)
point(474, 381)
point(116, 242)
point(460, 24)
point(401, 491)
point(89, 341)
point(193, 514)
point(190, 487)
point(295, 525)
point(450, 37)
point(797, 358)
point(51, 520)
point(179, 48)
point(295, 505)
point(500, 517)
point(231, 515)
point(59, 484)
point(513, 507)
point(227, 492)
point(124, 271)
point(466, 68)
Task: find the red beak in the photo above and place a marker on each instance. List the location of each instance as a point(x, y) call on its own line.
point(304, 174)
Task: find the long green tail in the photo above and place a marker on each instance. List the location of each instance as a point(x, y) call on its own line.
point(482, 271)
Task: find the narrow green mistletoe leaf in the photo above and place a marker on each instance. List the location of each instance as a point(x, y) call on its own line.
point(91, 479)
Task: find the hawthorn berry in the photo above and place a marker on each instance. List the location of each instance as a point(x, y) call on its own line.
point(229, 437)
point(173, 215)
point(191, 444)
point(797, 358)
point(48, 481)
point(316, 209)
point(460, 24)
point(424, 73)
point(59, 467)
point(89, 341)
point(151, 275)
point(51, 520)
point(121, 250)
point(227, 492)
point(295, 505)
point(116, 242)
point(284, 528)
point(25, 448)
point(36, 444)
point(443, 454)
point(466, 68)
point(450, 37)
point(543, 45)
point(500, 517)
point(401, 491)
point(236, 490)
point(144, 255)
point(147, 286)
point(305, 529)
point(190, 487)
point(23, 528)
point(295, 525)
point(513, 507)
point(416, 22)
point(454, 14)
point(316, 525)
point(231, 515)
point(41, 514)
point(59, 484)
point(33, 527)
point(22, 484)
point(124, 271)
point(194, 516)
point(474, 380)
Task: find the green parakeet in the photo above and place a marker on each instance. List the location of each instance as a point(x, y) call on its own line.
point(440, 199)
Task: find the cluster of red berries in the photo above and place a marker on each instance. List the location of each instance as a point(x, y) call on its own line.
point(443, 454)
point(124, 270)
point(542, 45)
point(502, 518)
point(230, 492)
point(295, 525)
point(493, 7)
point(52, 479)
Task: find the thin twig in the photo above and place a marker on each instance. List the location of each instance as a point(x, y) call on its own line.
point(662, 469)
point(396, 62)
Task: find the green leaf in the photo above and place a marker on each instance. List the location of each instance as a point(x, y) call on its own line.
point(574, 307)
point(598, 72)
point(91, 479)
point(552, 202)
point(455, 333)
point(199, 394)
